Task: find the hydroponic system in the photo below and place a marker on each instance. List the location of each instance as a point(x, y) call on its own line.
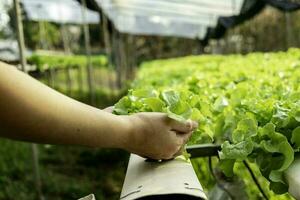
point(247, 106)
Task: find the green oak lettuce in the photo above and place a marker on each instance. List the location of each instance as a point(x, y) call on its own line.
point(248, 104)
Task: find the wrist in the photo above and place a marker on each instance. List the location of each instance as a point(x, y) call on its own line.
point(126, 132)
point(134, 141)
point(110, 131)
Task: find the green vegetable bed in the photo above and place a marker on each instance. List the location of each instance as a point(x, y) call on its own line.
point(44, 62)
point(249, 104)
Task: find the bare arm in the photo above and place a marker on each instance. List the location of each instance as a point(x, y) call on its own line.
point(33, 112)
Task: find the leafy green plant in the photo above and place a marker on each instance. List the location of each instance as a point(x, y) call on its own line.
point(249, 104)
point(44, 62)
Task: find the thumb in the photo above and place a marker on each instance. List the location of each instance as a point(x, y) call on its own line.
point(183, 127)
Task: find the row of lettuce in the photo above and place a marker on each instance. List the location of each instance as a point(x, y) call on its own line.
point(249, 104)
point(75, 84)
point(44, 62)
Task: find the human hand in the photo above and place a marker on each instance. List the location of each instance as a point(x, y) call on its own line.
point(156, 136)
point(109, 109)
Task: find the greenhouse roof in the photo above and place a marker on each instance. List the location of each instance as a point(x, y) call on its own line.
point(66, 11)
point(189, 18)
point(214, 17)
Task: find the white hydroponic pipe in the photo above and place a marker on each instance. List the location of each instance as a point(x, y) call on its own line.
point(292, 176)
point(174, 179)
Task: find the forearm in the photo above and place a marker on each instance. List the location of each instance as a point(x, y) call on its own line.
point(34, 112)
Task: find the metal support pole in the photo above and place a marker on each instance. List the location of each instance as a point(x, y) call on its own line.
point(23, 64)
point(86, 33)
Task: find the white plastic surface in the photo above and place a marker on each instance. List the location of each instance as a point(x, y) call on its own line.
point(89, 197)
point(293, 178)
point(59, 11)
point(156, 26)
point(174, 8)
point(166, 178)
point(189, 18)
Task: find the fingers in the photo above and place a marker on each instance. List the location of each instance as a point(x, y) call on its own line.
point(181, 139)
point(171, 155)
point(183, 127)
point(184, 137)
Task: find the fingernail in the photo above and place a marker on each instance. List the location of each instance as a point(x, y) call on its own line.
point(194, 124)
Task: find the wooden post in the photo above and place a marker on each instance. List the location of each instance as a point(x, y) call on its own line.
point(128, 52)
point(42, 35)
point(288, 24)
point(116, 56)
point(48, 77)
point(65, 39)
point(68, 80)
point(20, 33)
point(123, 57)
point(52, 77)
point(80, 80)
point(21, 44)
point(131, 56)
point(108, 48)
point(37, 176)
point(88, 53)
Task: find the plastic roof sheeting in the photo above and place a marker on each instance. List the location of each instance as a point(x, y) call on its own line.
point(176, 7)
point(154, 26)
point(189, 18)
point(58, 11)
